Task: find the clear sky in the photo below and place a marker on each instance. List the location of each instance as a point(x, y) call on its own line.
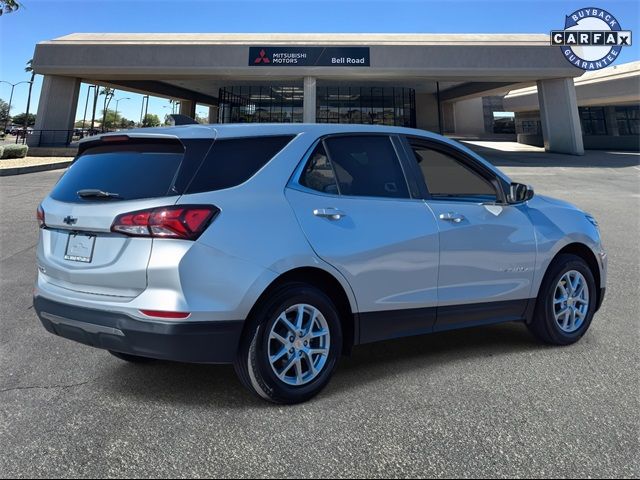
point(46, 19)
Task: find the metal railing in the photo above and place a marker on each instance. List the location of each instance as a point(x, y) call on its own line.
point(54, 138)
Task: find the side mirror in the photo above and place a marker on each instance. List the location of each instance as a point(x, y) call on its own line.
point(519, 192)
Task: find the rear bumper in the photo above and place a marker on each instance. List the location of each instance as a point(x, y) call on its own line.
point(180, 341)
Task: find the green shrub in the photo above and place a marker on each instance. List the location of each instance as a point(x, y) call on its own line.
point(1, 150)
point(14, 151)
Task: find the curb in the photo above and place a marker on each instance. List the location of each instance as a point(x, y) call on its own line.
point(5, 172)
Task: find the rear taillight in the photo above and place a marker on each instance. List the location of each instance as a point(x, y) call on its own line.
point(179, 221)
point(40, 216)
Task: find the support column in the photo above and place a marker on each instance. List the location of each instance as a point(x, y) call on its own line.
point(213, 114)
point(611, 121)
point(448, 117)
point(188, 108)
point(559, 116)
point(469, 116)
point(309, 102)
point(427, 112)
point(56, 111)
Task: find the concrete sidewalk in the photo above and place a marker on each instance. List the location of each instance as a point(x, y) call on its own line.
point(512, 154)
point(18, 166)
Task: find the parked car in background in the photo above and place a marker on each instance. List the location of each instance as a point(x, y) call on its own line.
point(21, 132)
point(280, 247)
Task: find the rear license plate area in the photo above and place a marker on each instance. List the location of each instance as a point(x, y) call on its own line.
point(80, 247)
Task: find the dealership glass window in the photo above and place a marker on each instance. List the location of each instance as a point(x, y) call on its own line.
point(257, 104)
point(628, 118)
point(592, 120)
point(369, 105)
point(531, 127)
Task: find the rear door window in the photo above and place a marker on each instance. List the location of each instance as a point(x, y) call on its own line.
point(234, 161)
point(367, 166)
point(132, 170)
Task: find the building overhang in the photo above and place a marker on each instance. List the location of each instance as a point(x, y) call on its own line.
point(187, 59)
point(615, 85)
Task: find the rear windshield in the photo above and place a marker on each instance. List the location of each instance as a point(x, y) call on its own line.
point(233, 161)
point(131, 171)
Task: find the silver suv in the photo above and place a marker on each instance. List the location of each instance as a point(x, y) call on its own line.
point(280, 247)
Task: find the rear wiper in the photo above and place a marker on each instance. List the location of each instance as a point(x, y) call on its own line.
point(95, 193)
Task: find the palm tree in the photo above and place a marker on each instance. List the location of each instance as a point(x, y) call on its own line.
point(8, 6)
point(29, 69)
point(108, 95)
point(175, 104)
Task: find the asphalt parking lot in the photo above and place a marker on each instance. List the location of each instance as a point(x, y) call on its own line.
point(484, 402)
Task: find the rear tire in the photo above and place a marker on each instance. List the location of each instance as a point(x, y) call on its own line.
point(566, 302)
point(130, 358)
point(291, 345)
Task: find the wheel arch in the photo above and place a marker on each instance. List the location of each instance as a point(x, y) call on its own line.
point(585, 253)
point(329, 284)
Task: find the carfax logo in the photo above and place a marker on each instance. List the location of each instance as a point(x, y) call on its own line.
point(592, 38)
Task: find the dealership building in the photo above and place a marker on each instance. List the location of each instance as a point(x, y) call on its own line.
point(433, 82)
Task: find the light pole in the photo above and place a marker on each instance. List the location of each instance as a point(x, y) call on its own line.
point(13, 85)
point(96, 92)
point(116, 115)
point(143, 113)
point(173, 104)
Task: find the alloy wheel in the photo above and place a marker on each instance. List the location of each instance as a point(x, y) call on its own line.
point(299, 343)
point(571, 301)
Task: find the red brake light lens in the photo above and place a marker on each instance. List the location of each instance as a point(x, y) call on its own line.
point(40, 216)
point(179, 221)
point(115, 138)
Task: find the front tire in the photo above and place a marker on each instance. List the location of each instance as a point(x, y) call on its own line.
point(291, 346)
point(566, 302)
point(130, 358)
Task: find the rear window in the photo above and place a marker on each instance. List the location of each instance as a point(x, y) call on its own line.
point(132, 171)
point(233, 161)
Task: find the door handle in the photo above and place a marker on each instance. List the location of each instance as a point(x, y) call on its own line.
point(452, 217)
point(330, 213)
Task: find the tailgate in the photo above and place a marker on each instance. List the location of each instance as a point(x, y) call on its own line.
point(77, 249)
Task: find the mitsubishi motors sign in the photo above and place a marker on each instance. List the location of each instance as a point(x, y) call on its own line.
point(309, 56)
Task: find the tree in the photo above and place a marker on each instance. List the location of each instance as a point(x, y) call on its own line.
point(21, 119)
point(151, 120)
point(4, 112)
point(29, 69)
point(201, 119)
point(126, 123)
point(108, 95)
point(110, 120)
point(8, 6)
point(175, 105)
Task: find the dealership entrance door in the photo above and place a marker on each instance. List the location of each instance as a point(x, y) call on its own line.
point(334, 104)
